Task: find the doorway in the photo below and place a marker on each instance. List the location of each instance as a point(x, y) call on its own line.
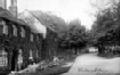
point(14, 59)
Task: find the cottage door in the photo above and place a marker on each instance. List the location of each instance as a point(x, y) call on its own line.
point(14, 59)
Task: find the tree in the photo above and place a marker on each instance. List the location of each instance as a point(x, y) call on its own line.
point(74, 37)
point(106, 28)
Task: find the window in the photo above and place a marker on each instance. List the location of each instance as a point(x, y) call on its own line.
point(3, 58)
point(14, 30)
point(1, 27)
point(5, 28)
point(37, 53)
point(31, 37)
point(31, 54)
point(22, 32)
point(37, 38)
point(20, 57)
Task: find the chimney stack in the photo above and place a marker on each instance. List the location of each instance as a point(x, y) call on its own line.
point(3, 4)
point(13, 7)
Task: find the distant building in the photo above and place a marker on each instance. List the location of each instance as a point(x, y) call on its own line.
point(3, 4)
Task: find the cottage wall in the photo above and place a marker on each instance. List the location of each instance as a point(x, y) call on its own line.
point(18, 37)
point(15, 36)
point(50, 45)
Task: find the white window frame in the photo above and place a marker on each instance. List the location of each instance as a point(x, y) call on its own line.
point(3, 58)
point(14, 30)
point(31, 37)
point(5, 28)
point(30, 54)
point(22, 32)
point(1, 25)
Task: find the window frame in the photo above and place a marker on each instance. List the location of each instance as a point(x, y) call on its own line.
point(15, 30)
point(4, 58)
point(22, 32)
point(1, 27)
point(31, 37)
point(5, 27)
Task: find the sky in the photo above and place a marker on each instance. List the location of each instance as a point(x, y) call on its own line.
point(67, 9)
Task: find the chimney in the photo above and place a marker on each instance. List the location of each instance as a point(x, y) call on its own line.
point(13, 7)
point(3, 4)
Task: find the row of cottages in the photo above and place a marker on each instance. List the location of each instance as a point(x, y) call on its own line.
point(17, 36)
point(49, 33)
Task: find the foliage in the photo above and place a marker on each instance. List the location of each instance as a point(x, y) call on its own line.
point(106, 29)
point(75, 36)
point(70, 35)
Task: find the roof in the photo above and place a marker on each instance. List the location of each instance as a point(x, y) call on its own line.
point(33, 23)
point(31, 20)
point(7, 15)
point(40, 20)
point(51, 21)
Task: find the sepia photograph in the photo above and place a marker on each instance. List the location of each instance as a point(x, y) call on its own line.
point(59, 37)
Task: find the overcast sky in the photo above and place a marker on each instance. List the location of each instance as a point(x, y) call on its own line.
point(67, 9)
